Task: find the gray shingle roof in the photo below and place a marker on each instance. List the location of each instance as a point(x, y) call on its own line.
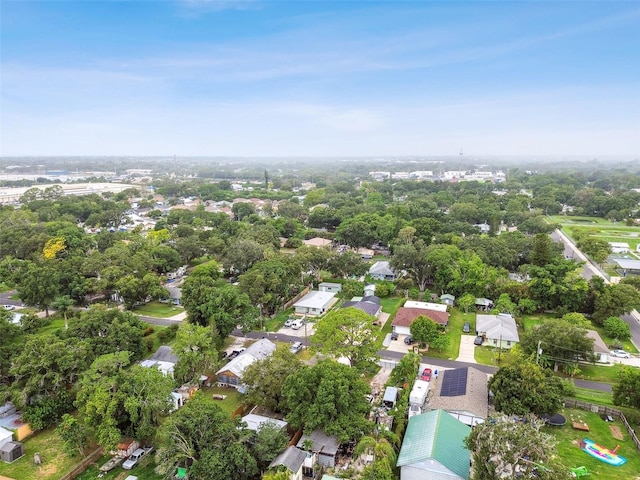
point(292, 458)
point(502, 326)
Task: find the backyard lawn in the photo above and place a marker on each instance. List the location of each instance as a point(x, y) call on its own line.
point(232, 401)
point(54, 462)
point(493, 356)
point(600, 432)
point(158, 309)
point(454, 332)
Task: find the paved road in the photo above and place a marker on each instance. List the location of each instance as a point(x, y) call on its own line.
point(588, 271)
point(165, 322)
point(5, 299)
point(397, 356)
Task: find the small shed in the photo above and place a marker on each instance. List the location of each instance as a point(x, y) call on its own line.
point(11, 451)
point(447, 299)
point(330, 287)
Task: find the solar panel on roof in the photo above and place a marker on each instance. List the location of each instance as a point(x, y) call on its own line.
point(454, 383)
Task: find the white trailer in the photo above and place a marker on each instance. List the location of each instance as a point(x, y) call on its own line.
point(419, 393)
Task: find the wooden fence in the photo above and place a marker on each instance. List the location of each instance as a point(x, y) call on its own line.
point(599, 409)
point(296, 298)
point(82, 466)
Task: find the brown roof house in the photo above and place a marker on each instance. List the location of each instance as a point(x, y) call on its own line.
point(405, 317)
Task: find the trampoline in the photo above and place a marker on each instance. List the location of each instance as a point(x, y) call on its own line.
point(556, 420)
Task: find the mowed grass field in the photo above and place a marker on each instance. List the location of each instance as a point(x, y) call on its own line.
point(599, 228)
point(602, 433)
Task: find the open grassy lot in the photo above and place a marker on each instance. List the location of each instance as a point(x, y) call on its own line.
point(277, 322)
point(54, 462)
point(232, 401)
point(599, 228)
point(158, 309)
point(600, 432)
point(493, 356)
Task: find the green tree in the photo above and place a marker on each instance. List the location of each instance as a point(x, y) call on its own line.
point(195, 347)
point(384, 458)
point(38, 285)
point(544, 251)
point(466, 301)
point(505, 305)
point(202, 435)
point(47, 365)
point(346, 265)
point(413, 259)
point(265, 379)
point(330, 396)
point(269, 441)
point(616, 300)
point(525, 387)
point(405, 370)
point(73, 434)
point(615, 327)
point(562, 343)
point(135, 290)
point(348, 333)
point(426, 331)
point(626, 391)
point(64, 304)
point(577, 319)
point(505, 447)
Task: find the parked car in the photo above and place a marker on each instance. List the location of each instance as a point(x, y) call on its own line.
point(409, 340)
point(466, 328)
point(297, 324)
point(394, 335)
point(620, 354)
point(289, 322)
point(134, 459)
point(426, 375)
point(9, 307)
point(296, 347)
point(478, 340)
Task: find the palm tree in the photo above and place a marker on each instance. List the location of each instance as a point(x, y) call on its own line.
point(384, 456)
point(63, 304)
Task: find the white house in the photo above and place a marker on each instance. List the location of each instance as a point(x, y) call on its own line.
point(231, 374)
point(314, 303)
point(381, 270)
point(438, 307)
point(330, 287)
point(498, 330)
point(619, 247)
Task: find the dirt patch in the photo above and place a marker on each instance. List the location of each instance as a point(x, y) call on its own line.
point(378, 381)
point(616, 432)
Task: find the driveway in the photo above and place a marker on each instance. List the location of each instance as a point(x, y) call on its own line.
point(306, 330)
point(467, 348)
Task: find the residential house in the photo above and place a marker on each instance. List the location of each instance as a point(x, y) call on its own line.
point(293, 459)
point(175, 294)
point(498, 330)
point(163, 359)
point(463, 393)
point(231, 374)
point(619, 247)
point(323, 445)
point(369, 305)
point(438, 307)
point(330, 287)
point(318, 242)
point(600, 348)
point(405, 317)
point(365, 253)
point(314, 303)
point(484, 304)
point(447, 299)
point(254, 421)
point(433, 447)
point(381, 270)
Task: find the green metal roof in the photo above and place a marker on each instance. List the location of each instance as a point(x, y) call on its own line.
point(438, 436)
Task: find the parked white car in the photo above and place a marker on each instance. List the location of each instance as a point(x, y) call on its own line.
point(9, 307)
point(619, 354)
point(296, 347)
point(134, 458)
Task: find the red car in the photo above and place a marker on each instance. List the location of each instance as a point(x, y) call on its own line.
point(426, 375)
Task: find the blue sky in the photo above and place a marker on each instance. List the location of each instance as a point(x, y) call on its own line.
point(276, 78)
